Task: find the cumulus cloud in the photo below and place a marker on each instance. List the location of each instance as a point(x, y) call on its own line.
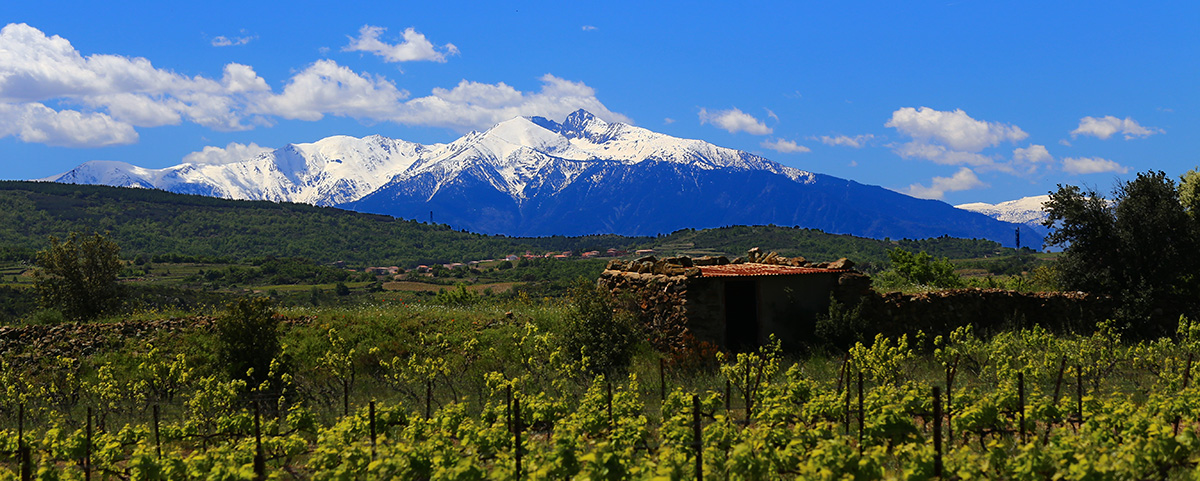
point(1105, 127)
point(857, 142)
point(234, 152)
point(475, 105)
point(50, 93)
point(41, 71)
point(942, 155)
point(1091, 165)
point(36, 123)
point(223, 41)
point(734, 121)
point(414, 46)
point(956, 129)
point(785, 146)
point(1030, 158)
point(328, 88)
point(951, 137)
point(964, 179)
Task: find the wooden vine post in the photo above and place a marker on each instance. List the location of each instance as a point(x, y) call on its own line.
point(157, 441)
point(1021, 403)
point(697, 440)
point(87, 448)
point(860, 412)
point(260, 461)
point(517, 435)
point(23, 455)
point(937, 432)
point(372, 423)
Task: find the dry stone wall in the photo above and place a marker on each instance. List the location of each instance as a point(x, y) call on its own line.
point(988, 310)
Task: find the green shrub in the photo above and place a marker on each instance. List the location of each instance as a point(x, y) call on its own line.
point(842, 326)
point(459, 296)
point(922, 269)
point(248, 339)
point(604, 337)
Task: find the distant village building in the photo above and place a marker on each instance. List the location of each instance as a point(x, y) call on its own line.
point(735, 304)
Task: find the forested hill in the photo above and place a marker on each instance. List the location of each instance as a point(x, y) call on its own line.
point(153, 222)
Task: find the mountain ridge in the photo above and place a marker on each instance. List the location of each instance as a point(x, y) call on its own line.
point(535, 176)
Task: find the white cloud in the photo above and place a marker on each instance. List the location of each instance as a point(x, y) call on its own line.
point(1091, 165)
point(668, 120)
point(414, 47)
point(36, 69)
point(328, 88)
point(785, 146)
point(734, 121)
point(858, 141)
point(772, 115)
point(589, 28)
point(36, 123)
point(1105, 127)
point(964, 179)
point(475, 105)
point(1029, 158)
point(234, 152)
point(956, 129)
point(941, 155)
point(52, 94)
point(223, 41)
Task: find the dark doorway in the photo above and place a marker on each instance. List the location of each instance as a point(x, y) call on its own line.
point(741, 316)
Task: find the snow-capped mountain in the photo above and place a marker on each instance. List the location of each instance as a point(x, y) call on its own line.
point(1026, 210)
point(330, 171)
point(535, 176)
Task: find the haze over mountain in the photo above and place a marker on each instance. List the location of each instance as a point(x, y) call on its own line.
point(534, 176)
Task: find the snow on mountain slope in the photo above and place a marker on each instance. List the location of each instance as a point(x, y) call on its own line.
point(516, 157)
point(534, 176)
point(1026, 210)
point(330, 171)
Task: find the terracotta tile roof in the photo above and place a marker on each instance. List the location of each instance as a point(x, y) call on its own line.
point(748, 270)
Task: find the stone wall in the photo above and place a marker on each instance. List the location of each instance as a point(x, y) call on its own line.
point(667, 293)
point(988, 310)
point(678, 306)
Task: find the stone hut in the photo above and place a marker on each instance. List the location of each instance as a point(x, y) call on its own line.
point(734, 304)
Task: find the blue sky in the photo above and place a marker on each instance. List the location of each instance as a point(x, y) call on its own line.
point(963, 101)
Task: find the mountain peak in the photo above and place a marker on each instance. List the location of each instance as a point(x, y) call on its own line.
point(579, 119)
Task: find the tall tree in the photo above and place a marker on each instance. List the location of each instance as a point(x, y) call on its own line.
point(1139, 248)
point(78, 276)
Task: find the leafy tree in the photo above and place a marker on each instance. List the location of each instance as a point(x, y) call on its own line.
point(1140, 248)
point(248, 336)
point(921, 268)
point(78, 276)
point(600, 335)
point(1189, 192)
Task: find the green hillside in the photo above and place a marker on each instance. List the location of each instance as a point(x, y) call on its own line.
point(151, 222)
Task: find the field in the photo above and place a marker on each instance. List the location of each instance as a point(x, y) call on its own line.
point(458, 392)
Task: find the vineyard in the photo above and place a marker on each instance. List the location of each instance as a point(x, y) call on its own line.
point(494, 396)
